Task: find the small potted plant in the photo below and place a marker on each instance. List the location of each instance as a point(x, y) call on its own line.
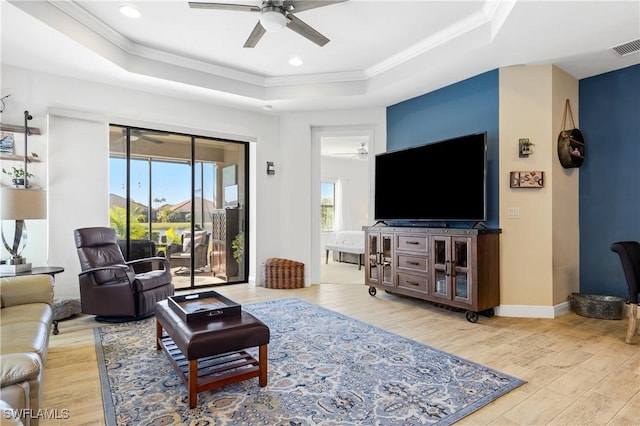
point(238, 247)
point(525, 147)
point(17, 175)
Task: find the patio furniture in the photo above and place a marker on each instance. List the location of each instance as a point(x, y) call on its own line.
point(182, 258)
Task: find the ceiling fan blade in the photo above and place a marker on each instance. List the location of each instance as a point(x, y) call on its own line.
point(297, 25)
point(255, 36)
point(152, 140)
point(139, 135)
point(294, 6)
point(224, 6)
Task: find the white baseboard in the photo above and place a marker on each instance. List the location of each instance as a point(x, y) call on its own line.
point(529, 311)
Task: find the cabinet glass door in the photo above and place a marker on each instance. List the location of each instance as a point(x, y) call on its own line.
point(372, 264)
point(460, 268)
point(440, 267)
point(387, 259)
point(380, 259)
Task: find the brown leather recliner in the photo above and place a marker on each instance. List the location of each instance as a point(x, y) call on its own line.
point(109, 286)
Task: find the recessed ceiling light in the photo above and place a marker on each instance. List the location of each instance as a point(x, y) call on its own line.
point(295, 61)
point(267, 107)
point(130, 11)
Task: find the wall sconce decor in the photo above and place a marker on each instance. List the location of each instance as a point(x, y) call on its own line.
point(271, 168)
point(524, 148)
point(529, 179)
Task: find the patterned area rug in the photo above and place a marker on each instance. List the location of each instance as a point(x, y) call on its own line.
point(325, 368)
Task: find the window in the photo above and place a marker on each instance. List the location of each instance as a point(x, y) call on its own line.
point(327, 206)
point(166, 187)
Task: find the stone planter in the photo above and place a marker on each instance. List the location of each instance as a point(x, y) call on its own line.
point(596, 306)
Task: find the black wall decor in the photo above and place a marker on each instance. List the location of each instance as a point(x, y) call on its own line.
point(571, 148)
point(570, 141)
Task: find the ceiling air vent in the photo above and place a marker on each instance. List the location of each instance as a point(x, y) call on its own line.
point(627, 48)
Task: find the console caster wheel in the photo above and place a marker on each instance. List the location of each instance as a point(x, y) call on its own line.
point(472, 316)
point(490, 313)
point(372, 291)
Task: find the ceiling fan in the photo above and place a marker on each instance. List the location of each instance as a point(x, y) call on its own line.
point(137, 134)
point(361, 153)
point(274, 16)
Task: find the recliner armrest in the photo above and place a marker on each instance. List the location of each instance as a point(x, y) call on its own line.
point(158, 259)
point(127, 273)
point(119, 267)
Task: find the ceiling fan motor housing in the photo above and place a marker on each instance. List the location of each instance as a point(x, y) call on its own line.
point(272, 18)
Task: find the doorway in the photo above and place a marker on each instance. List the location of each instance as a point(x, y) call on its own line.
point(344, 158)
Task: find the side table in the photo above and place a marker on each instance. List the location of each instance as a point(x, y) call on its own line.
point(48, 270)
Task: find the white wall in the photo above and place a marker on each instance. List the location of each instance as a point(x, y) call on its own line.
point(301, 191)
point(74, 115)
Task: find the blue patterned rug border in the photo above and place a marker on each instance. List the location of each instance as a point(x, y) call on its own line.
point(513, 382)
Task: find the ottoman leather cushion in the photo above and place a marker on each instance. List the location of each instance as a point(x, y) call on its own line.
point(225, 334)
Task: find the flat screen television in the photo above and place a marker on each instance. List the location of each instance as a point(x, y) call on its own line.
point(441, 181)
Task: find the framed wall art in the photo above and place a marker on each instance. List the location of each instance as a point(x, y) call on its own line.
point(527, 179)
point(7, 142)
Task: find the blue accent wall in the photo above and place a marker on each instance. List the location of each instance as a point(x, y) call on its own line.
point(609, 117)
point(609, 177)
point(470, 106)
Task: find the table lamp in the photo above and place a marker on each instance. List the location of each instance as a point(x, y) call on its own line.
point(20, 204)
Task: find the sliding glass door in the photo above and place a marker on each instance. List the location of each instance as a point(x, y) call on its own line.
point(181, 197)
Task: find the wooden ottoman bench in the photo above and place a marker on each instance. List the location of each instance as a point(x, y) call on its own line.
point(215, 349)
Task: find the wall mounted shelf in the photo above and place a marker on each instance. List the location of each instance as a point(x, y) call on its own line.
point(14, 157)
point(19, 129)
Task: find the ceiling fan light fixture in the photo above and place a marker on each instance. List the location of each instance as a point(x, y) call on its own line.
point(272, 19)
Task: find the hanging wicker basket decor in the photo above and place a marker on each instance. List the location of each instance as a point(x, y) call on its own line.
point(570, 142)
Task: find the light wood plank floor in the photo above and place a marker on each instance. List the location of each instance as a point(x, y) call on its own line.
point(579, 370)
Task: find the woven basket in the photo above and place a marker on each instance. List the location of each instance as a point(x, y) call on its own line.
point(282, 273)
